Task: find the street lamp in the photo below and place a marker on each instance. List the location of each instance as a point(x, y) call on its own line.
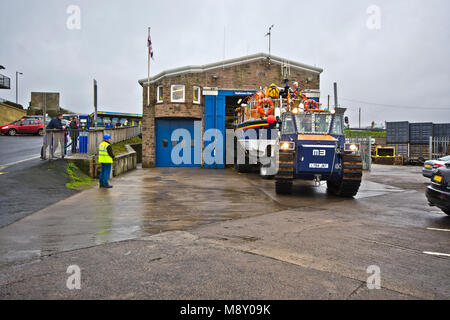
point(17, 86)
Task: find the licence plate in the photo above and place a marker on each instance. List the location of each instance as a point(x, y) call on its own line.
point(318, 165)
point(437, 179)
point(428, 166)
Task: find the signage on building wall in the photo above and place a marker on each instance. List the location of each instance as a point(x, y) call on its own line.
point(207, 91)
point(243, 93)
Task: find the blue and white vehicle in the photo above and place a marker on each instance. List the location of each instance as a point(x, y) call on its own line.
point(312, 147)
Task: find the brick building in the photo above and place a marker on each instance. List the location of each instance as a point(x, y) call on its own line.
point(208, 95)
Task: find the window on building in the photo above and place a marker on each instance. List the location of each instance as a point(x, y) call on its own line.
point(159, 94)
point(196, 95)
point(177, 93)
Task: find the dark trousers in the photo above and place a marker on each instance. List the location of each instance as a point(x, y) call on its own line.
point(74, 138)
point(104, 174)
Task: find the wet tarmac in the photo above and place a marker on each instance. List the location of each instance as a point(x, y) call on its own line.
point(19, 148)
point(142, 203)
point(148, 202)
point(218, 234)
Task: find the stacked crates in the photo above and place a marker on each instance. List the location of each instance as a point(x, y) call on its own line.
point(412, 140)
point(397, 136)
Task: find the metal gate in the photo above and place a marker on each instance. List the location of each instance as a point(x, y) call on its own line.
point(366, 150)
point(439, 147)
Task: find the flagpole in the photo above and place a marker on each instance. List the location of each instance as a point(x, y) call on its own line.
point(148, 77)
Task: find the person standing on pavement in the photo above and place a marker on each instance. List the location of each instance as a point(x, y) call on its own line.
point(74, 133)
point(106, 159)
point(55, 137)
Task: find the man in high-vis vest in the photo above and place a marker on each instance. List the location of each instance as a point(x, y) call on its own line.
point(106, 158)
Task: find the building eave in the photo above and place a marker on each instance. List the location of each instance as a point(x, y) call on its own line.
point(230, 63)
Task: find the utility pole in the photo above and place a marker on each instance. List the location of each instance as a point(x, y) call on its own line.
point(95, 103)
point(360, 118)
point(328, 102)
point(335, 96)
point(44, 118)
point(17, 86)
point(270, 38)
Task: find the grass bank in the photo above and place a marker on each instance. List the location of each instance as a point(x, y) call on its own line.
point(364, 134)
point(119, 148)
point(77, 177)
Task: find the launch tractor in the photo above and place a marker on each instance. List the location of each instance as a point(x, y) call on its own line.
point(312, 147)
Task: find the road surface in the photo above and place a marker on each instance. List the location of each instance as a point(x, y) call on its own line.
point(183, 233)
point(18, 148)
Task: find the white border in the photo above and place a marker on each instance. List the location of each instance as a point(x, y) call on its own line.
point(157, 94)
point(171, 93)
point(230, 63)
point(199, 95)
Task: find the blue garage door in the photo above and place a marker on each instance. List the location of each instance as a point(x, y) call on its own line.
point(165, 145)
point(215, 119)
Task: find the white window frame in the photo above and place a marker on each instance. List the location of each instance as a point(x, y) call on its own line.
point(157, 94)
point(171, 93)
point(199, 95)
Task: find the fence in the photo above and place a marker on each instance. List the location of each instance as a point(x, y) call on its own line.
point(86, 141)
point(95, 136)
point(366, 150)
point(438, 147)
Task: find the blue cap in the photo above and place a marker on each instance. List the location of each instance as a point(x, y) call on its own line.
point(106, 137)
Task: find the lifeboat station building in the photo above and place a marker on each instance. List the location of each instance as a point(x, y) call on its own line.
point(208, 95)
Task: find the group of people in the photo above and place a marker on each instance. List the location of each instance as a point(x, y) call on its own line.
point(109, 124)
point(59, 134)
point(274, 93)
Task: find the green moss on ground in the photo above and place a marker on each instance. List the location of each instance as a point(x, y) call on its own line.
point(77, 177)
point(119, 148)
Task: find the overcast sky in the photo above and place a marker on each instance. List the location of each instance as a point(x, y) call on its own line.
point(404, 63)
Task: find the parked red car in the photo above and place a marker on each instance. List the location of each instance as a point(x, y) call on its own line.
point(29, 126)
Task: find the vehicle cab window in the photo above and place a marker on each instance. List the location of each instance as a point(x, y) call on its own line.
point(288, 126)
point(338, 125)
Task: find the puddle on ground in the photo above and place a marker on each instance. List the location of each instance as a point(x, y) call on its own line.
point(147, 202)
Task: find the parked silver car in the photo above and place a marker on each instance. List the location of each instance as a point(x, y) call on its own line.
point(431, 166)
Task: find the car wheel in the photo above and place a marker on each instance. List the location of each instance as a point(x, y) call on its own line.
point(40, 132)
point(12, 132)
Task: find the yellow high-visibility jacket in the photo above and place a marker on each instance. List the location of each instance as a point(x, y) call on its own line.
point(103, 156)
point(273, 93)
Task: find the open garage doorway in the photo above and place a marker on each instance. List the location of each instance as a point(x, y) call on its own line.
point(231, 103)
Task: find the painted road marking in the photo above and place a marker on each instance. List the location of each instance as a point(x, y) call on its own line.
point(437, 254)
point(436, 229)
point(3, 173)
point(17, 162)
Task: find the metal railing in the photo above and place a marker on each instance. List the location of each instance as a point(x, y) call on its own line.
point(438, 147)
point(70, 141)
point(95, 136)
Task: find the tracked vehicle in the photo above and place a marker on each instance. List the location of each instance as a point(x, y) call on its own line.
point(312, 147)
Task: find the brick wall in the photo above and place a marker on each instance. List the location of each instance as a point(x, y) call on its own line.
point(249, 76)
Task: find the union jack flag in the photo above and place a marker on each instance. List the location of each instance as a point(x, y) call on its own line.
point(149, 45)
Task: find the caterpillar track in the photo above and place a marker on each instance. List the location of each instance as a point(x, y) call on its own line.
point(347, 185)
point(285, 176)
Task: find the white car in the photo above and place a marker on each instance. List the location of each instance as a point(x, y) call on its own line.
point(431, 166)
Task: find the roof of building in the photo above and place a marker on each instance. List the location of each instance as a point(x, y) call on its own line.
point(114, 113)
point(230, 63)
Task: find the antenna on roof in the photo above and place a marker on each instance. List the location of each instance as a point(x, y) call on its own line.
point(270, 38)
